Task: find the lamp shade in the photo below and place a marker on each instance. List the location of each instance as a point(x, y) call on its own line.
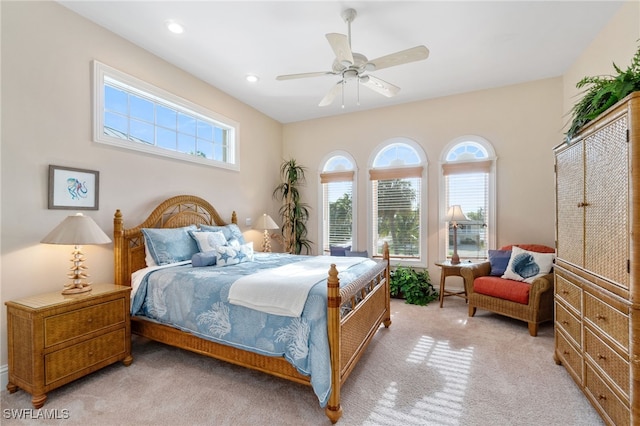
point(77, 230)
point(455, 214)
point(265, 222)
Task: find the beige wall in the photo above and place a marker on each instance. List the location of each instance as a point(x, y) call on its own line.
point(522, 122)
point(46, 119)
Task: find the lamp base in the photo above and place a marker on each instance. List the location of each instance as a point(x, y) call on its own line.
point(266, 242)
point(76, 288)
point(455, 259)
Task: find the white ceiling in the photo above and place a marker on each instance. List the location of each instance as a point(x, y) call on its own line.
point(473, 45)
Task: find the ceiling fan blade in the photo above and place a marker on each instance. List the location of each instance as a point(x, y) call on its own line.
point(303, 75)
point(380, 86)
point(331, 95)
point(417, 53)
point(340, 45)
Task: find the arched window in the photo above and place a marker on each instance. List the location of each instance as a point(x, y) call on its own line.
point(338, 219)
point(397, 208)
point(468, 171)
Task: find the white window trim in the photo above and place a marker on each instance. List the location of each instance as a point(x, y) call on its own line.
point(442, 212)
point(354, 199)
point(422, 260)
point(100, 71)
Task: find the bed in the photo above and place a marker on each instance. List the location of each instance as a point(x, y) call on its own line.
point(355, 308)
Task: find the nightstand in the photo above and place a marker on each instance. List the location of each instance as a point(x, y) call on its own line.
point(450, 270)
point(54, 339)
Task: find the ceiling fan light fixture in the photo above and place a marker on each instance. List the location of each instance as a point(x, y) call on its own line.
point(351, 65)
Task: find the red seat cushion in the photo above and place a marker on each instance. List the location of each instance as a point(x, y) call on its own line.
point(501, 288)
point(538, 248)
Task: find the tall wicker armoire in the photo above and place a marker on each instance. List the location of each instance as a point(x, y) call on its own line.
point(597, 274)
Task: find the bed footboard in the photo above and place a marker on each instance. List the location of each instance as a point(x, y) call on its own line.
point(350, 333)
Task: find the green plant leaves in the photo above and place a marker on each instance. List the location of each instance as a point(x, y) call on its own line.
point(603, 92)
point(415, 286)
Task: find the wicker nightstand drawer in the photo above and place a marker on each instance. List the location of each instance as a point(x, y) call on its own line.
point(616, 367)
point(604, 397)
point(60, 328)
point(609, 320)
point(570, 324)
point(568, 292)
point(65, 362)
point(569, 356)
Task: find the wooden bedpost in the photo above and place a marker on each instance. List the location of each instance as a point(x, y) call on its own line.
point(387, 319)
point(333, 409)
point(118, 250)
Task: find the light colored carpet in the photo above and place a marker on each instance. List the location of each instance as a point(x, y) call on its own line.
point(431, 367)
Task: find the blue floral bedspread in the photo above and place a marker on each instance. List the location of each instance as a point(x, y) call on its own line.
point(196, 300)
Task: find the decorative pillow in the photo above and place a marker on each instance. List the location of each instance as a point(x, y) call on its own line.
point(227, 255)
point(170, 245)
point(338, 250)
point(207, 258)
point(350, 253)
point(527, 265)
point(499, 260)
point(230, 231)
point(208, 241)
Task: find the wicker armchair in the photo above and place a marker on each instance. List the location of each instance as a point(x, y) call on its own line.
point(539, 308)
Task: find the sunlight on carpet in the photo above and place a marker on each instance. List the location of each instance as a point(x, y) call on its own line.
point(441, 407)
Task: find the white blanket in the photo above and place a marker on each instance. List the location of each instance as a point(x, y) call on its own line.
point(284, 290)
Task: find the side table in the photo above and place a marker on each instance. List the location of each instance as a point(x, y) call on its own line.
point(450, 270)
point(54, 339)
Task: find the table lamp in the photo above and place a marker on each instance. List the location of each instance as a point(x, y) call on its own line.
point(265, 223)
point(454, 215)
point(77, 230)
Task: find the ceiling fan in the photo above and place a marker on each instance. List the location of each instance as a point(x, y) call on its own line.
point(350, 65)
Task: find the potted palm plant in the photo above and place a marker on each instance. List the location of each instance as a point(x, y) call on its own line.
point(293, 212)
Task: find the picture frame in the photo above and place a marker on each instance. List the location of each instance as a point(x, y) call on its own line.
point(73, 189)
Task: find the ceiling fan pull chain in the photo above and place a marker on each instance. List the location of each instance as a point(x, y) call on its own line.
point(358, 90)
point(343, 83)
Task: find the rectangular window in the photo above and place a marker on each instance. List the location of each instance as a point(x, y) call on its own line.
point(337, 195)
point(471, 192)
point(132, 114)
point(396, 216)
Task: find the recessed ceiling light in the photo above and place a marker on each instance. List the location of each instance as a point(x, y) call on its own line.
point(251, 78)
point(174, 27)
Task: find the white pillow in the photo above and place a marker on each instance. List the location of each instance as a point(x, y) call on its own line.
point(208, 241)
point(527, 265)
point(148, 258)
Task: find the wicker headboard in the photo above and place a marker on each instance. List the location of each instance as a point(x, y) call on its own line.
point(178, 211)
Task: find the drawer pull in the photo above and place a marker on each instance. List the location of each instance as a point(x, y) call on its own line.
point(602, 397)
point(565, 291)
point(565, 322)
point(90, 353)
point(601, 317)
point(89, 320)
point(600, 356)
point(566, 352)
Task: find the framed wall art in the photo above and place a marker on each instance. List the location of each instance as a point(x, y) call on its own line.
point(73, 189)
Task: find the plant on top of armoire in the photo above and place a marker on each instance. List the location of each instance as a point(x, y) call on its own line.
point(602, 93)
point(294, 212)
